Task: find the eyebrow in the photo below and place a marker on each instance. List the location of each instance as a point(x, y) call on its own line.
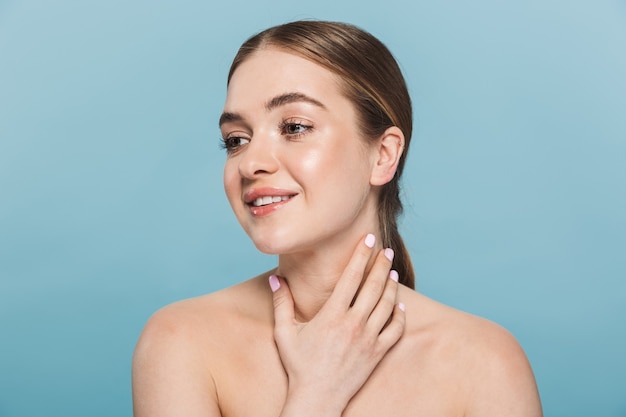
point(280, 100)
point(288, 98)
point(230, 117)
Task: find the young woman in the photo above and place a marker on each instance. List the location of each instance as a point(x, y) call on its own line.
point(316, 127)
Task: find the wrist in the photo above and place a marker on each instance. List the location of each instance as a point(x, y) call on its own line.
point(307, 401)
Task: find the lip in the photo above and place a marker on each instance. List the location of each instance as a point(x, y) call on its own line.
point(254, 193)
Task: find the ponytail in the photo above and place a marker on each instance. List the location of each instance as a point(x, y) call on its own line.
point(390, 207)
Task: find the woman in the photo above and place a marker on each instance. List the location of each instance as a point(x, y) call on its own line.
point(316, 127)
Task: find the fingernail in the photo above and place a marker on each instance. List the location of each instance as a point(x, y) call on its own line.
point(401, 306)
point(389, 254)
point(393, 275)
point(370, 239)
point(274, 283)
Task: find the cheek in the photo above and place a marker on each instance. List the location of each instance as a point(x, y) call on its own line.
point(231, 181)
point(317, 170)
point(328, 156)
point(311, 162)
point(336, 172)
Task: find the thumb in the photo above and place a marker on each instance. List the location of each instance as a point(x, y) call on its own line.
point(284, 316)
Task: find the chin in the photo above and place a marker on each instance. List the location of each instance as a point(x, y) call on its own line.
point(268, 244)
point(278, 244)
point(267, 247)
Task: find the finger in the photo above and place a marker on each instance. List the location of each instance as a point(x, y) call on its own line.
point(374, 284)
point(351, 279)
point(381, 314)
point(284, 315)
point(394, 330)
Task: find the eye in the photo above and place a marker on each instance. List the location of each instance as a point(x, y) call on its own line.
point(295, 128)
point(232, 143)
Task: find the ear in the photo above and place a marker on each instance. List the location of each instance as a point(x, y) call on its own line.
point(387, 153)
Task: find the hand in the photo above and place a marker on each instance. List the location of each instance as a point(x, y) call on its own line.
point(328, 359)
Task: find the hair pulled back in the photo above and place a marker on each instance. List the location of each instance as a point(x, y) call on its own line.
point(373, 82)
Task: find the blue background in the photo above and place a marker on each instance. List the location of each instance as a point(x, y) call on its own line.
point(111, 200)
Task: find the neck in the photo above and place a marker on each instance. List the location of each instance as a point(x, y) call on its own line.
point(312, 276)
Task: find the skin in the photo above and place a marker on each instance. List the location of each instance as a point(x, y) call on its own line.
point(309, 347)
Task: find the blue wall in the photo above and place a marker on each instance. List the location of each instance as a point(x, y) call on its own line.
point(111, 202)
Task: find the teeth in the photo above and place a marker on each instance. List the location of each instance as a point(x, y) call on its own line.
point(263, 201)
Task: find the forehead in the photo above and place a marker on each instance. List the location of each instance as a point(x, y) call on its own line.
point(270, 72)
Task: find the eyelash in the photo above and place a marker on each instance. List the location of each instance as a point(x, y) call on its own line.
point(291, 123)
point(228, 144)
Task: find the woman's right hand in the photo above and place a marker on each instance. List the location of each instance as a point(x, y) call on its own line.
point(328, 359)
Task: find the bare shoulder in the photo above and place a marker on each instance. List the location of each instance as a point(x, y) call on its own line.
point(486, 359)
point(187, 320)
point(203, 318)
point(173, 361)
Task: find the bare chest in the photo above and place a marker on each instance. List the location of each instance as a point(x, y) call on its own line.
point(251, 382)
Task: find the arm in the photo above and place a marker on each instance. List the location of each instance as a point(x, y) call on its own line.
point(169, 378)
point(328, 359)
point(504, 383)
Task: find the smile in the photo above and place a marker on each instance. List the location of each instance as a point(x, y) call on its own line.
point(264, 201)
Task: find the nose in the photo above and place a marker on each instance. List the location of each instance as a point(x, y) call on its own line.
point(258, 158)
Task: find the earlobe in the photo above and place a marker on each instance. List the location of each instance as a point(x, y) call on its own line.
point(389, 150)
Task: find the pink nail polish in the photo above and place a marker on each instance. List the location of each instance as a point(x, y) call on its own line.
point(389, 254)
point(401, 306)
point(274, 283)
point(370, 239)
point(393, 275)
